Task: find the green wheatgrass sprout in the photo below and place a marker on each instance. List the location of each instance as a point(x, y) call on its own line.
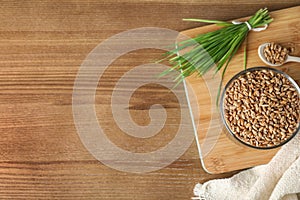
point(221, 45)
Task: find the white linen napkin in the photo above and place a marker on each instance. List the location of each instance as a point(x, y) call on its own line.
point(278, 180)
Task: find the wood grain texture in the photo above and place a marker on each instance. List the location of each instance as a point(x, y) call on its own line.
point(43, 43)
point(227, 154)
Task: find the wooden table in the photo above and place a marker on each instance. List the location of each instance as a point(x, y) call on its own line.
point(42, 47)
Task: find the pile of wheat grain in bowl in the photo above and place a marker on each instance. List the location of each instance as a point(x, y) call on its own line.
point(260, 107)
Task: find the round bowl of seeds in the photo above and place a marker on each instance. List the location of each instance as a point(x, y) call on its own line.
point(260, 107)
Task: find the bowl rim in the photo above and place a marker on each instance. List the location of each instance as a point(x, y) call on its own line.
point(258, 68)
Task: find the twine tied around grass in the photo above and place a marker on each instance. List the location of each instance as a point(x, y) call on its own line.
point(250, 27)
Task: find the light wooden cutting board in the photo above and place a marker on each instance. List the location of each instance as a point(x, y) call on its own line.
point(219, 153)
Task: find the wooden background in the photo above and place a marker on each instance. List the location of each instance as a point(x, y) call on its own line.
point(42, 46)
